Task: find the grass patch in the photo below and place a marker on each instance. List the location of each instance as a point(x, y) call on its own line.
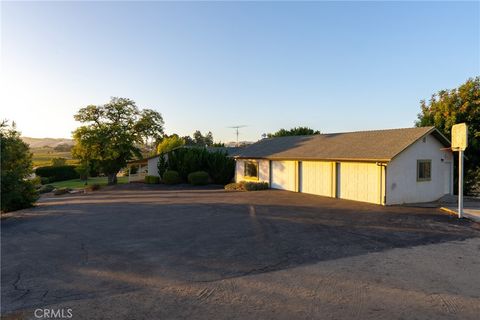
point(77, 183)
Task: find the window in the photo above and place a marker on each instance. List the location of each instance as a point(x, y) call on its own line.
point(251, 169)
point(424, 170)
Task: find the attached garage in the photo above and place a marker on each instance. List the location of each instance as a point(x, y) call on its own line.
point(383, 166)
point(361, 182)
point(284, 175)
point(317, 177)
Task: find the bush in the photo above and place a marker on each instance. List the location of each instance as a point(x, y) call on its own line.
point(36, 181)
point(59, 173)
point(246, 186)
point(255, 186)
point(171, 177)
point(152, 179)
point(93, 187)
point(162, 165)
point(44, 180)
point(46, 188)
point(61, 191)
point(198, 178)
point(234, 187)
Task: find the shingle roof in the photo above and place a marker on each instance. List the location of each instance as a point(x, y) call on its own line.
point(377, 145)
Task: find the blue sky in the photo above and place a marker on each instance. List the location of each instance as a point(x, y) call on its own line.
point(333, 66)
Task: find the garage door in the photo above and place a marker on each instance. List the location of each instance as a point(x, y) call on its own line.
point(283, 175)
point(316, 177)
point(360, 181)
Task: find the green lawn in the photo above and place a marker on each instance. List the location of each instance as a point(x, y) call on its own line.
point(77, 183)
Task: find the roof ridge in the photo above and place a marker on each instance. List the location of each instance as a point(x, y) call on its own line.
point(359, 131)
point(382, 130)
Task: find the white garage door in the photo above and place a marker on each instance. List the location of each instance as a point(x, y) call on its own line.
point(360, 181)
point(316, 177)
point(283, 175)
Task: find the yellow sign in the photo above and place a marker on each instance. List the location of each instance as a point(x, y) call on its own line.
point(459, 137)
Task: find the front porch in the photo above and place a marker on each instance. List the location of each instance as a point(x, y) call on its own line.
point(137, 170)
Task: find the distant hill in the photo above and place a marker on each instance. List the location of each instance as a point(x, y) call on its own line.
point(46, 142)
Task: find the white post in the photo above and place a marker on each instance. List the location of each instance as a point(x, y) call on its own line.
point(460, 184)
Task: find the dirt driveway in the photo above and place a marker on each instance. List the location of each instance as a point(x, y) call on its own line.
point(149, 252)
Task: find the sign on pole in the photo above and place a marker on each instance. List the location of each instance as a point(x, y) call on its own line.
point(459, 137)
point(459, 143)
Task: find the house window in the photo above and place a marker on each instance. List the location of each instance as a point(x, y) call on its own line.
point(424, 170)
point(251, 169)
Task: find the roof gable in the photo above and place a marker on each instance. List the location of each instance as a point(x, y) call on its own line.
point(376, 145)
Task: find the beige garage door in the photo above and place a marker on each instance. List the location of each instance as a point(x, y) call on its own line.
point(360, 181)
point(316, 177)
point(284, 175)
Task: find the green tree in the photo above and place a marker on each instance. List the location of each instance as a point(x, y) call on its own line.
point(150, 124)
point(296, 131)
point(170, 143)
point(18, 191)
point(63, 147)
point(200, 140)
point(56, 162)
point(449, 107)
point(113, 134)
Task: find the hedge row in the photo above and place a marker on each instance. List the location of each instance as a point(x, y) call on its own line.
point(219, 168)
point(57, 173)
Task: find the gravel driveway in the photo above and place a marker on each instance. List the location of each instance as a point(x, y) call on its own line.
point(152, 252)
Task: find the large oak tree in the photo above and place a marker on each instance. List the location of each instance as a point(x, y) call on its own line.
point(115, 133)
point(448, 107)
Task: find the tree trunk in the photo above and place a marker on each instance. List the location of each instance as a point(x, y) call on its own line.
point(112, 178)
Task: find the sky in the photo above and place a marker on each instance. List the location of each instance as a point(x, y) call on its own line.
point(332, 66)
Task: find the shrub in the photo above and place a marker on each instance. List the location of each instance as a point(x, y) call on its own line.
point(198, 178)
point(162, 165)
point(46, 188)
point(220, 167)
point(246, 186)
point(152, 179)
point(36, 181)
point(234, 187)
point(255, 186)
point(44, 180)
point(61, 191)
point(171, 177)
point(59, 173)
point(93, 187)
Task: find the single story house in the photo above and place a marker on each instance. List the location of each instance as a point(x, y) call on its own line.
point(148, 166)
point(385, 167)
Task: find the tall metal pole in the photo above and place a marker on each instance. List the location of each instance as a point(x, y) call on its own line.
point(460, 184)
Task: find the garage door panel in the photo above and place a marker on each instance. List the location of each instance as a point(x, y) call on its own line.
point(284, 175)
point(360, 182)
point(316, 178)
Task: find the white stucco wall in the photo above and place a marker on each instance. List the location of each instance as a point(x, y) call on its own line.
point(263, 170)
point(152, 167)
point(402, 185)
